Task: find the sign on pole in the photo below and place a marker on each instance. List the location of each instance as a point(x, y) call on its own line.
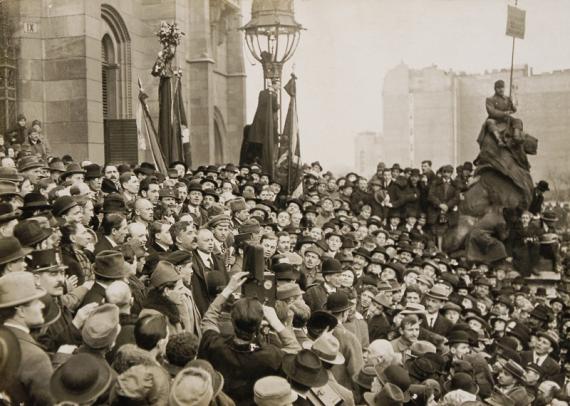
point(516, 22)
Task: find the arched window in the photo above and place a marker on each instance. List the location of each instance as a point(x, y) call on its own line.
point(115, 65)
point(108, 77)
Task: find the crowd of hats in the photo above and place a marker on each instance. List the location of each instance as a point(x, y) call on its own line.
point(389, 255)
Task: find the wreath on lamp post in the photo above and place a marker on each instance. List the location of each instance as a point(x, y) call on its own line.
point(169, 37)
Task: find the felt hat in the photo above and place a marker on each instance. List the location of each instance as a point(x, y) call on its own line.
point(114, 203)
point(319, 321)
point(273, 391)
point(163, 273)
point(56, 165)
point(331, 266)
point(29, 162)
point(72, 169)
point(338, 302)
point(11, 250)
point(421, 368)
point(217, 377)
point(35, 201)
point(237, 205)
point(62, 205)
point(390, 395)
point(92, 171)
point(305, 368)
point(101, 328)
point(288, 291)
point(382, 300)
point(539, 313)
point(10, 175)
point(110, 264)
point(141, 384)
point(461, 381)
point(30, 232)
point(44, 260)
point(7, 213)
point(179, 257)
point(421, 347)
point(8, 188)
point(365, 376)
point(81, 379)
point(17, 288)
point(397, 375)
point(327, 348)
point(425, 280)
point(413, 308)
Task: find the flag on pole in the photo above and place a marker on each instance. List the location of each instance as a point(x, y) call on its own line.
point(146, 132)
point(288, 165)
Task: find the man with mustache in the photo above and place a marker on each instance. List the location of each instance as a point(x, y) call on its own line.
point(49, 274)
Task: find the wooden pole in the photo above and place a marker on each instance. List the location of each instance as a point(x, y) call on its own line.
point(512, 62)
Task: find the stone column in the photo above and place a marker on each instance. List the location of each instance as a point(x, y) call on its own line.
point(201, 86)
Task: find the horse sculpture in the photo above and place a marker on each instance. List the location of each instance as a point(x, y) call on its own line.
point(501, 182)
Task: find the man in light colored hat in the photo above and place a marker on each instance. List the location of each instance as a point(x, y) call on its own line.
point(273, 391)
point(191, 387)
point(339, 305)
point(434, 301)
point(327, 348)
point(21, 310)
point(100, 330)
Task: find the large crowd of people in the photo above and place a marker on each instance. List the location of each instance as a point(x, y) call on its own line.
point(122, 285)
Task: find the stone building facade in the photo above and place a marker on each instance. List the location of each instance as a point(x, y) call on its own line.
point(435, 114)
point(79, 61)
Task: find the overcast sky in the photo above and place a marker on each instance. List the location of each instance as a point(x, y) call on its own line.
point(349, 46)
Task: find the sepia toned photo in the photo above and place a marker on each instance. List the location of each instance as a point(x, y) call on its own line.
point(284, 202)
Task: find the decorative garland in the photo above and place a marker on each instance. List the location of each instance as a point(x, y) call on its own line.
point(169, 37)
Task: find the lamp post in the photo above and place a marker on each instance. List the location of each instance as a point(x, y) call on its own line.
point(272, 37)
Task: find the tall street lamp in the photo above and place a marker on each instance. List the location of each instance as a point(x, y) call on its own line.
point(272, 37)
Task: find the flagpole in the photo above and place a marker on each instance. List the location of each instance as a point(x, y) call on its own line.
point(512, 61)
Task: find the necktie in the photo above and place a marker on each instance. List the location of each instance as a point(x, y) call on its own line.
point(210, 264)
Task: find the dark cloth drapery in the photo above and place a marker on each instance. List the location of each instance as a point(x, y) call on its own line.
point(260, 139)
point(169, 132)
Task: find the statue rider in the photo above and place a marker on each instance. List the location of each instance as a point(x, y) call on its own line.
point(499, 107)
